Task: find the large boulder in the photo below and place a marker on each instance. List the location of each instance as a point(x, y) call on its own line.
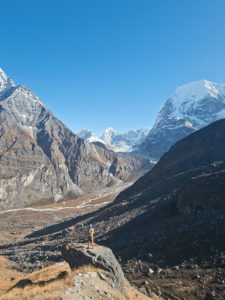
point(78, 255)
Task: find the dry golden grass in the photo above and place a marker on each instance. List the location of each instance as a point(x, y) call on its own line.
point(46, 284)
point(31, 292)
point(49, 272)
point(6, 275)
point(43, 281)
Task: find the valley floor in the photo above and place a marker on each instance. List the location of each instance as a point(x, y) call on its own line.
point(18, 223)
point(33, 238)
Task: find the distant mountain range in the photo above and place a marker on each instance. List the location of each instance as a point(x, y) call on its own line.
point(115, 141)
point(43, 160)
point(191, 107)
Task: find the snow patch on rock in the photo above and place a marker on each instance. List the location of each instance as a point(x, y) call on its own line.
point(6, 83)
point(113, 140)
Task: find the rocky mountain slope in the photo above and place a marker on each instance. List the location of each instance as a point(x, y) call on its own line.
point(41, 159)
point(190, 108)
point(115, 141)
point(179, 204)
point(172, 218)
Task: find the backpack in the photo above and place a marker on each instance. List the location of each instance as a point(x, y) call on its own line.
point(91, 232)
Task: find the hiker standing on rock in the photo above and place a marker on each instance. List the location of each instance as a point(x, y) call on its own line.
point(91, 236)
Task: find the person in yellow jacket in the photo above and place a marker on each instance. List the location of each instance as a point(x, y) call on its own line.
point(91, 236)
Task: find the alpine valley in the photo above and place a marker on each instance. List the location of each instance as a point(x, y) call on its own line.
point(164, 222)
point(191, 107)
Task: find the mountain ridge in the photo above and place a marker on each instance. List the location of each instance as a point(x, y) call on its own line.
point(46, 156)
point(115, 141)
point(191, 107)
point(5, 83)
point(173, 209)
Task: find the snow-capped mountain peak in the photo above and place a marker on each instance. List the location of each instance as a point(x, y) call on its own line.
point(115, 141)
point(25, 106)
point(199, 99)
point(197, 90)
point(191, 107)
point(5, 83)
point(110, 130)
point(108, 135)
point(89, 136)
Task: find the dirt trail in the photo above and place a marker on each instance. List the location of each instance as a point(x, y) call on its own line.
point(87, 203)
point(20, 222)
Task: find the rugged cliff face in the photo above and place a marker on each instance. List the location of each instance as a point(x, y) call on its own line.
point(41, 158)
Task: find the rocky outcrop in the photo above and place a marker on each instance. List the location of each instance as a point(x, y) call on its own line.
point(41, 159)
point(58, 281)
point(78, 255)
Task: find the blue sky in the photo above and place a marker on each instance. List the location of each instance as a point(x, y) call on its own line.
point(101, 63)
